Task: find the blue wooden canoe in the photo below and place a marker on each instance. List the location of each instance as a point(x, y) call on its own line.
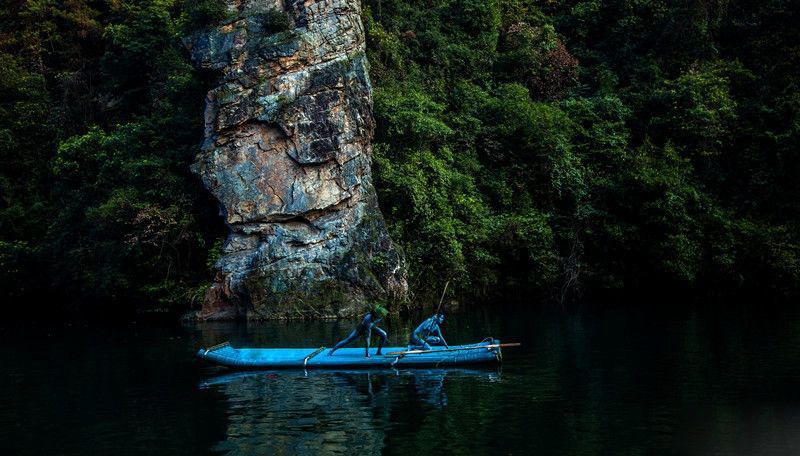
point(279, 358)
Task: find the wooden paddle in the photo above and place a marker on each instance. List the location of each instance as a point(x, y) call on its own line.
point(441, 300)
point(419, 352)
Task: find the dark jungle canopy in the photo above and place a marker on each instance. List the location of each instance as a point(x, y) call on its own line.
point(541, 146)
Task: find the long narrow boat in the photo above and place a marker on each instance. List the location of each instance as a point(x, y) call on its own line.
point(487, 351)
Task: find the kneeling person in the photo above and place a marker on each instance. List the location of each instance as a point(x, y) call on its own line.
point(428, 333)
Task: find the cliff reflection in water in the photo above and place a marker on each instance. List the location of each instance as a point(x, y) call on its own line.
point(309, 412)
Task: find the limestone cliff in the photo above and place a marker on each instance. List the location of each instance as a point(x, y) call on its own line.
point(287, 154)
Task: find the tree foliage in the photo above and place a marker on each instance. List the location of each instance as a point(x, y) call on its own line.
point(534, 146)
point(605, 144)
point(101, 116)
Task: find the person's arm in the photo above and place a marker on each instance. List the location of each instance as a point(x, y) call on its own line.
point(421, 330)
point(441, 336)
point(430, 327)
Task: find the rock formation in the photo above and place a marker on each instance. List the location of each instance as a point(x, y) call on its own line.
point(287, 154)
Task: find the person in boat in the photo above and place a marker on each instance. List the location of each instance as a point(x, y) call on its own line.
point(428, 333)
point(364, 329)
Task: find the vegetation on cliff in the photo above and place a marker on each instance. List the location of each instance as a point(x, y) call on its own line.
point(591, 144)
point(100, 116)
point(540, 146)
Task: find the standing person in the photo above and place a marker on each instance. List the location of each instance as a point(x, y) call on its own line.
point(364, 329)
point(427, 333)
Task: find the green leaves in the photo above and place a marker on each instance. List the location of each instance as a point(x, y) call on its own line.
point(530, 144)
point(101, 115)
point(603, 143)
point(699, 111)
point(409, 118)
point(116, 193)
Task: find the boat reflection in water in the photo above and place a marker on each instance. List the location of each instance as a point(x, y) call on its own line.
point(290, 412)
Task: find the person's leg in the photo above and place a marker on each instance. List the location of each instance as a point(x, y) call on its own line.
point(353, 335)
point(366, 349)
point(433, 340)
point(418, 344)
point(382, 335)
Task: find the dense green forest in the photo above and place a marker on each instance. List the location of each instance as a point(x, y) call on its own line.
point(552, 147)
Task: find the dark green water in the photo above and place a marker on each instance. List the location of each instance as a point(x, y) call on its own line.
point(615, 381)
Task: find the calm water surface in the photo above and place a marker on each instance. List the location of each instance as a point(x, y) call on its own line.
point(586, 382)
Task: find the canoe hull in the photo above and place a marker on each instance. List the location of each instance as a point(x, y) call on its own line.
point(289, 358)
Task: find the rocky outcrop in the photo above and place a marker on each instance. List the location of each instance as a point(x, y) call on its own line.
point(287, 154)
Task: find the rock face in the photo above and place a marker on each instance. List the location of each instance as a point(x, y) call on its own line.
point(287, 154)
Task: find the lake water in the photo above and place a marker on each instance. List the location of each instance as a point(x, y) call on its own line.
point(587, 381)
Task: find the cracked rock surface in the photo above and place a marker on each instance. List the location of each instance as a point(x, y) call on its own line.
point(287, 154)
